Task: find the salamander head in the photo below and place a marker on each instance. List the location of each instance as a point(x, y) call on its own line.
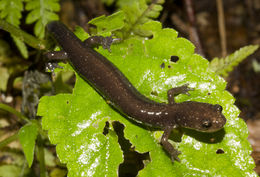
point(202, 117)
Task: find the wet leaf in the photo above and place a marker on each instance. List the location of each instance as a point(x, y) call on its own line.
point(76, 122)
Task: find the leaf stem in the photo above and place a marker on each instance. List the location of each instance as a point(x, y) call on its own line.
point(23, 36)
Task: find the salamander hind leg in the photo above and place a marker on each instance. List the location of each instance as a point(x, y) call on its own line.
point(168, 146)
point(176, 91)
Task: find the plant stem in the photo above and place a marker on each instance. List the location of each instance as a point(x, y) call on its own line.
point(222, 31)
point(23, 36)
point(13, 111)
point(8, 140)
point(193, 32)
point(40, 155)
point(19, 115)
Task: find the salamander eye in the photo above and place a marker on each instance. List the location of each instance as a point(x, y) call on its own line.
point(206, 123)
point(218, 107)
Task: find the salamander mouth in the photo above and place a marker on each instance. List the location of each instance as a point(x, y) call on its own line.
point(212, 130)
point(218, 124)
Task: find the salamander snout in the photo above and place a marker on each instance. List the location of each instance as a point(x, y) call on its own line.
point(213, 120)
point(202, 117)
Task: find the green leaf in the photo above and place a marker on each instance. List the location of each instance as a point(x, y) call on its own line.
point(137, 13)
point(41, 12)
point(223, 66)
point(21, 45)
point(76, 122)
point(104, 24)
point(27, 137)
point(10, 10)
point(86, 150)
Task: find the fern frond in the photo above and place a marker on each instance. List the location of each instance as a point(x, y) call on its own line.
point(41, 12)
point(137, 13)
point(10, 10)
point(223, 66)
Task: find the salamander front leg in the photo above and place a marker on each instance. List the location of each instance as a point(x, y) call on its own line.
point(95, 41)
point(53, 58)
point(176, 91)
point(168, 146)
point(56, 55)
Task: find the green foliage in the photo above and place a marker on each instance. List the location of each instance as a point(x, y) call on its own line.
point(132, 15)
point(23, 36)
point(137, 13)
point(10, 10)
point(27, 134)
point(76, 122)
point(107, 24)
point(223, 66)
point(27, 137)
point(41, 12)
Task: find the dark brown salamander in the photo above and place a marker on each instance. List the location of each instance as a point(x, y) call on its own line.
point(115, 87)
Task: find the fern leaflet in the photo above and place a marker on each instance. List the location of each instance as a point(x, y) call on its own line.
point(137, 13)
point(10, 10)
point(41, 12)
point(223, 66)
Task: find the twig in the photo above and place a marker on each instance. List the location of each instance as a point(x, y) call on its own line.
point(221, 26)
point(193, 32)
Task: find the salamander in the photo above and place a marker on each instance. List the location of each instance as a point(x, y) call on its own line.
point(111, 83)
